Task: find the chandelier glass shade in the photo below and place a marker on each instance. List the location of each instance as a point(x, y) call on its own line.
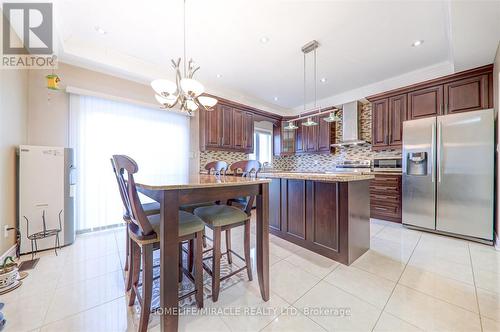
point(332, 117)
point(290, 126)
point(185, 91)
point(309, 123)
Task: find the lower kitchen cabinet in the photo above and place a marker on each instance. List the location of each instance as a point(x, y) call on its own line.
point(385, 197)
point(329, 218)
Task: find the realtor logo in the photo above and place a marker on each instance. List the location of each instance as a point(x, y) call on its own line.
point(27, 35)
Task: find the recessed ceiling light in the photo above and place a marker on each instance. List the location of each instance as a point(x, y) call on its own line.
point(323, 80)
point(276, 98)
point(264, 40)
point(100, 30)
point(417, 43)
point(219, 75)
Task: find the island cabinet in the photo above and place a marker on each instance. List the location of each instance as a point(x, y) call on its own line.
point(466, 91)
point(329, 218)
point(226, 128)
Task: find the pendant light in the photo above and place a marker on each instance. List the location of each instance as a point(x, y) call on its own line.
point(186, 91)
point(332, 117)
point(290, 126)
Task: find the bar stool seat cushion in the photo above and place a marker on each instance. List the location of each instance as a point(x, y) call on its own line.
point(220, 215)
point(191, 207)
point(188, 224)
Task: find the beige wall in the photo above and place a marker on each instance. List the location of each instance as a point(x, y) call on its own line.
point(496, 104)
point(13, 115)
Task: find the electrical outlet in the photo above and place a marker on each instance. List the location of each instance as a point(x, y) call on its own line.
point(5, 230)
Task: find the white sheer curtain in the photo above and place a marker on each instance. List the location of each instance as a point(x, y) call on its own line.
point(99, 128)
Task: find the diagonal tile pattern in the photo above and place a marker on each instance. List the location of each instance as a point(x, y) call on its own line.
point(407, 281)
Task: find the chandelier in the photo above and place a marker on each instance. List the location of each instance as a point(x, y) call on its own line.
point(332, 117)
point(186, 91)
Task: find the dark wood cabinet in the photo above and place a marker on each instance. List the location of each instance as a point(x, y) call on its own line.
point(329, 218)
point(461, 92)
point(226, 115)
point(248, 129)
point(380, 124)
point(425, 102)
point(385, 197)
point(397, 114)
point(226, 128)
point(238, 129)
point(300, 139)
point(325, 137)
point(466, 95)
point(304, 139)
point(295, 195)
point(311, 136)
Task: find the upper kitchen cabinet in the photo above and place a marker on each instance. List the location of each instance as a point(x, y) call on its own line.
point(467, 94)
point(380, 123)
point(462, 92)
point(326, 135)
point(425, 102)
point(230, 126)
point(397, 114)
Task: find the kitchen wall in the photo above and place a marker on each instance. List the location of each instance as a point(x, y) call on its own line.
point(13, 119)
point(496, 103)
point(325, 162)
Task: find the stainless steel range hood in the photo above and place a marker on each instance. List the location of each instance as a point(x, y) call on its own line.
point(350, 125)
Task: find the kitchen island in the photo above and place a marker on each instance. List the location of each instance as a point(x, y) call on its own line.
point(328, 213)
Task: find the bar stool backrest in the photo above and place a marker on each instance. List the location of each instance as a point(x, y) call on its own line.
point(218, 167)
point(138, 217)
point(245, 168)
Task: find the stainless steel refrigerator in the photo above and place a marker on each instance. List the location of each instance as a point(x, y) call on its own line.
point(448, 174)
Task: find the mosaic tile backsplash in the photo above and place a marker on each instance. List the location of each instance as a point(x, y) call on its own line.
point(316, 162)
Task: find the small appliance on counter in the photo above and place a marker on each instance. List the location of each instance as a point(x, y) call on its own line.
point(46, 196)
point(387, 164)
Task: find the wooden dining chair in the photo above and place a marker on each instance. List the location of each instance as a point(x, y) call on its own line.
point(224, 217)
point(149, 208)
point(143, 231)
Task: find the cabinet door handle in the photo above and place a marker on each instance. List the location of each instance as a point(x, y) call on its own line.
point(381, 208)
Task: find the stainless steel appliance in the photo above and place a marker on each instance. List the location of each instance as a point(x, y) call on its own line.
point(387, 164)
point(353, 166)
point(448, 174)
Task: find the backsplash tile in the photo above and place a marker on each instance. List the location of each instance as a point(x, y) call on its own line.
point(316, 162)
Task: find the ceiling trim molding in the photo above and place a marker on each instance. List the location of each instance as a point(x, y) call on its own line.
point(413, 77)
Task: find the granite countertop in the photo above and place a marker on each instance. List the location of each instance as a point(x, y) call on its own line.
point(326, 177)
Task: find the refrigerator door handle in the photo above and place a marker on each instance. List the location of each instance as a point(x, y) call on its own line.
point(439, 150)
point(433, 156)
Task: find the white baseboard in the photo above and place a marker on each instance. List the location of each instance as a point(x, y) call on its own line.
point(10, 252)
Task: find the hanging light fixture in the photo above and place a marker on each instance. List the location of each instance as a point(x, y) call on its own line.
point(332, 117)
point(186, 91)
point(309, 122)
point(290, 126)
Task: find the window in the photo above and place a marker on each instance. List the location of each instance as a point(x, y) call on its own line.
point(262, 146)
point(99, 128)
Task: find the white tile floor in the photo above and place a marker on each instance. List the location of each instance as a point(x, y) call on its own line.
point(408, 281)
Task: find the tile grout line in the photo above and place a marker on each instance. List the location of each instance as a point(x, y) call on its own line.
point(307, 291)
point(475, 288)
point(395, 285)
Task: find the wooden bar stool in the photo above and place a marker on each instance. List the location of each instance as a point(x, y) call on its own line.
point(143, 232)
point(224, 217)
point(149, 209)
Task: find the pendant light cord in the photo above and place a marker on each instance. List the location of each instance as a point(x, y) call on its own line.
point(315, 80)
point(184, 18)
point(304, 81)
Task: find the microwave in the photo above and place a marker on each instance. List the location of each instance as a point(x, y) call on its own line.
point(387, 164)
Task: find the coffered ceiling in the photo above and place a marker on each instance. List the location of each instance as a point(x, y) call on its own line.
point(366, 46)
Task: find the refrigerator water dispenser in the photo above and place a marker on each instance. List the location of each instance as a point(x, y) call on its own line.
point(416, 163)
